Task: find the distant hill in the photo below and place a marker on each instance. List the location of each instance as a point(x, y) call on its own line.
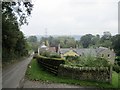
point(77, 37)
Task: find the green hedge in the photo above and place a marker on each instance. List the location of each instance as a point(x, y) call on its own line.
point(50, 54)
point(50, 64)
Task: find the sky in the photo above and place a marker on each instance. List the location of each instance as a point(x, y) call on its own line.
point(72, 17)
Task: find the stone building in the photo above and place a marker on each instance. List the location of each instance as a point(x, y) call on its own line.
point(44, 48)
point(98, 52)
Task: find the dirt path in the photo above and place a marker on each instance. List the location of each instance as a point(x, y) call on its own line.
point(12, 75)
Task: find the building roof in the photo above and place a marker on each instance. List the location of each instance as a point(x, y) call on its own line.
point(79, 51)
point(52, 49)
point(43, 46)
point(71, 53)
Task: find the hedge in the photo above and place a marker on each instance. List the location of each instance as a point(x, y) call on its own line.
point(50, 64)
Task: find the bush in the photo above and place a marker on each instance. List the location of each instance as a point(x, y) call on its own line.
point(116, 68)
point(54, 55)
point(88, 61)
point(50, 54)
point(118, 60)
point(51, 61)
point(50, 64)
point(45, 53)
point(72, 57)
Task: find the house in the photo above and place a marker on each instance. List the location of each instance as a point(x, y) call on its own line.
point(106, 53)
point(70, 53)
point(98, 52)
point(44, 48)
point(95, 52)
point(77, 52)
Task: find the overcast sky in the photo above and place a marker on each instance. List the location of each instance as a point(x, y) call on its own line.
point(72, 17)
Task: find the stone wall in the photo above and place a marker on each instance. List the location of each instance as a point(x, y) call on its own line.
point(101, 74)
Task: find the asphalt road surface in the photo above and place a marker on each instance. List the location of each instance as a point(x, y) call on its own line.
point(12, 75)
point(39, 84)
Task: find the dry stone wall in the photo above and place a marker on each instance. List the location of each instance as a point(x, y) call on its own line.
point(101, 74)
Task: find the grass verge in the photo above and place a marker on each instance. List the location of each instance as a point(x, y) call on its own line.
point(38, 74)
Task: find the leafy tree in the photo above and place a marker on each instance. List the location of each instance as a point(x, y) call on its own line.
point(64, 41)
point(67, 42)
point(86, 40)
point(116, 44)
point(13, 41)
point(32, 39)
point(33, 43)
point(95, 40)
point(107, 43)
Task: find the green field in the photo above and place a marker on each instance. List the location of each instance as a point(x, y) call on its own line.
point(36, 73)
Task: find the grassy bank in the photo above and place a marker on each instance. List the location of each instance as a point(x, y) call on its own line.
point(37, 73)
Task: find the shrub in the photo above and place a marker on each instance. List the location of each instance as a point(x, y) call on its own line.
point(45, 53)
point(55, 55)
point(118, 60)
point(50, 64)
point(51, 61)
point(50, 54)
point(88, 61)
point(116, 68)
point(72, 57)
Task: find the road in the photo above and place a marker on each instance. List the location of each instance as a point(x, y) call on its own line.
point(12, 75)
point(40, 84)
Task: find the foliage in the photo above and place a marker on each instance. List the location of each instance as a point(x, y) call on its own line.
point(106, 43)
point(86, 40)
point(14, 8)
point(88, 61)
point(71, 58)
point(13, 41)
point(33, 43)
point(45, 53)
point(90, 40)
point(50, 54)
point(116, 68)
point(116, 44)
point(64, 41)
point(50, 64)
point(117, 59)
point(50, 61)
point(32, 39)
point(36, 73)
point(106, 36)
point(55, 55)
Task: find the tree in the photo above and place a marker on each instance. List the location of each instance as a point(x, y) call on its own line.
point(13, 41)
point(105, 40)
point(86, 40)
point(107, 43)
point(116, 44)
point(32, 39)
point(15, 9)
